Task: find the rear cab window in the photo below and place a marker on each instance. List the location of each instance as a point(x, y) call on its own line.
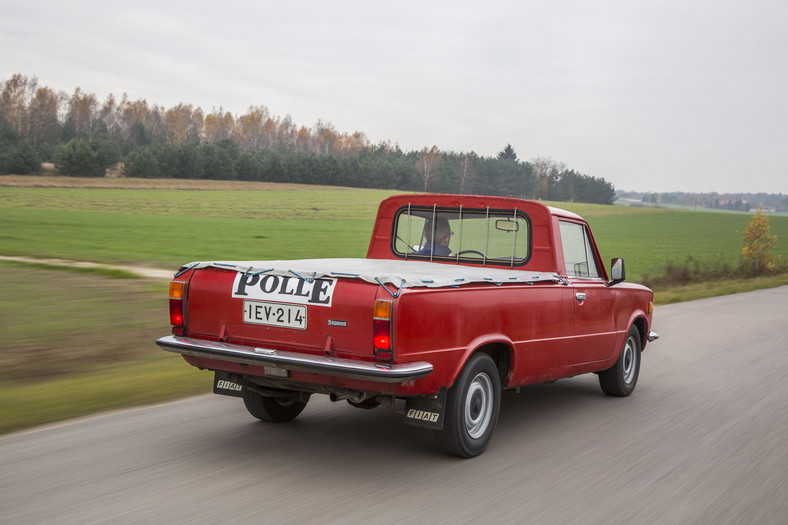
point(476, 236)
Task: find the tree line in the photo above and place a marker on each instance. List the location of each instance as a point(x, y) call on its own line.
point(83, 136)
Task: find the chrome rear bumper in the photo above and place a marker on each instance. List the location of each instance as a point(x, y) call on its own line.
point(316, 364)
point(652, 336)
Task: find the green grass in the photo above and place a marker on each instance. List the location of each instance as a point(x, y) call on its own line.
point(306, 202)
point(168, 228)
point(169, 241)
point(588, 211)
point(125, 383)
point(649, 238)
point(58, 322)
point(648, 242)
point(717, 288)
point(75, 343)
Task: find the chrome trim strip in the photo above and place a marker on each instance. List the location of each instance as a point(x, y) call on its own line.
point(316, 364)
point(652, 336)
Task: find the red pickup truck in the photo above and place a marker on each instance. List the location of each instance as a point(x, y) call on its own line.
point(458, 297)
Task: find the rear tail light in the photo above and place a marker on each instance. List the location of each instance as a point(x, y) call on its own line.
point(381, 330)
point(176, 306)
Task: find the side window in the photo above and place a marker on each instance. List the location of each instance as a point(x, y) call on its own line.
point(578, 255)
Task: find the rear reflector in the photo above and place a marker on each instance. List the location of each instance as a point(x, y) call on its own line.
point(382, 309)
point(176, 289)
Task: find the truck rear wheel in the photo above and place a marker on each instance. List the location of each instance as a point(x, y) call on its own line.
point(620, 380)
point(472, 407)
point(272, 409)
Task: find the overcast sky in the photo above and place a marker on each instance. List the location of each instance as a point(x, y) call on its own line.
point(660, 95)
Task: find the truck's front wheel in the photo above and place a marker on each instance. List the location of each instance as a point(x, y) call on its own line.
point(472, 407)
point(620, 380)
point(272, 409)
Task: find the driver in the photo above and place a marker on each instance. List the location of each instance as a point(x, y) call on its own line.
point(443, 234)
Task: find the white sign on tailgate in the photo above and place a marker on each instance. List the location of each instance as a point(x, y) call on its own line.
point(284, 288)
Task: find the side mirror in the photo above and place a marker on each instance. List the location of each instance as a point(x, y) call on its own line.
point(617, 272)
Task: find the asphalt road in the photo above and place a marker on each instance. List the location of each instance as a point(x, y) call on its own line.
point(704, 439)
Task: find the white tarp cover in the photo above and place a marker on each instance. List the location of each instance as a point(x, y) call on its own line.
point(399, 273)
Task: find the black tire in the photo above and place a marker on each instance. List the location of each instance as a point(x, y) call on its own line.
point(620, 380)
point(472, 408)
point(272, 409)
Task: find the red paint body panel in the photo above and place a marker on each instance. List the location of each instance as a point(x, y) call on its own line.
point(536, 332)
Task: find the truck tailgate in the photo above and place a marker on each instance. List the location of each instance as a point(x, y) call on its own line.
point(318, 316)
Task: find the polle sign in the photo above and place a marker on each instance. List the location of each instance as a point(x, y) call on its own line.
point(284, 288)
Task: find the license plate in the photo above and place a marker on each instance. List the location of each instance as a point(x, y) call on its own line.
point(275, 314)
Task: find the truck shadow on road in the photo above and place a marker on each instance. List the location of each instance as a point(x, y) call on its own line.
point(338, 433)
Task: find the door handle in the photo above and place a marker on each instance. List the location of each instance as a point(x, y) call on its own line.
point(580, 296)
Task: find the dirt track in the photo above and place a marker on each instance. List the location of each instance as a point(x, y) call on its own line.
point(141, 271)
point(53, 181)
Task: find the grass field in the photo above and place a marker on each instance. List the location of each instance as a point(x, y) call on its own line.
point(76, 343)
point(649, 241)
point(167, 241)
point(169, 227)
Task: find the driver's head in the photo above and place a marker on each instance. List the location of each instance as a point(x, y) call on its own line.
point(442, 230)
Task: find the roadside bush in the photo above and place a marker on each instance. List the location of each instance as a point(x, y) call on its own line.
point(107, 152)
point(142, 163)
point(758, 257)
point(77, 159)
point(691, 271)
point(23, 160)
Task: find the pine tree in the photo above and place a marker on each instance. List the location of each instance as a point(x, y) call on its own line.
point(508, 153)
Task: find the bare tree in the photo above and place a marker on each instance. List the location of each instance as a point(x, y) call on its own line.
point(250, 128)
point(83, 112)
point(218, 125)
point(184, 123)
point(15, 98)
point(325, 137)
point(428, 163)
point(466, 171)
point(43, 117)
point(546, 172)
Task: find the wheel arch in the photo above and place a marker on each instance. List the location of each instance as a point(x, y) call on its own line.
point(642, 326)
point(500, 350)
point(501, 355)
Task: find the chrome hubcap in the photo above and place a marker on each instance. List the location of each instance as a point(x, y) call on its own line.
point(629, 360)
point(478, 405)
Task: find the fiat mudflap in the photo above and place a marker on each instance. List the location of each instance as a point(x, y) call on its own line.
point(420, 411)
